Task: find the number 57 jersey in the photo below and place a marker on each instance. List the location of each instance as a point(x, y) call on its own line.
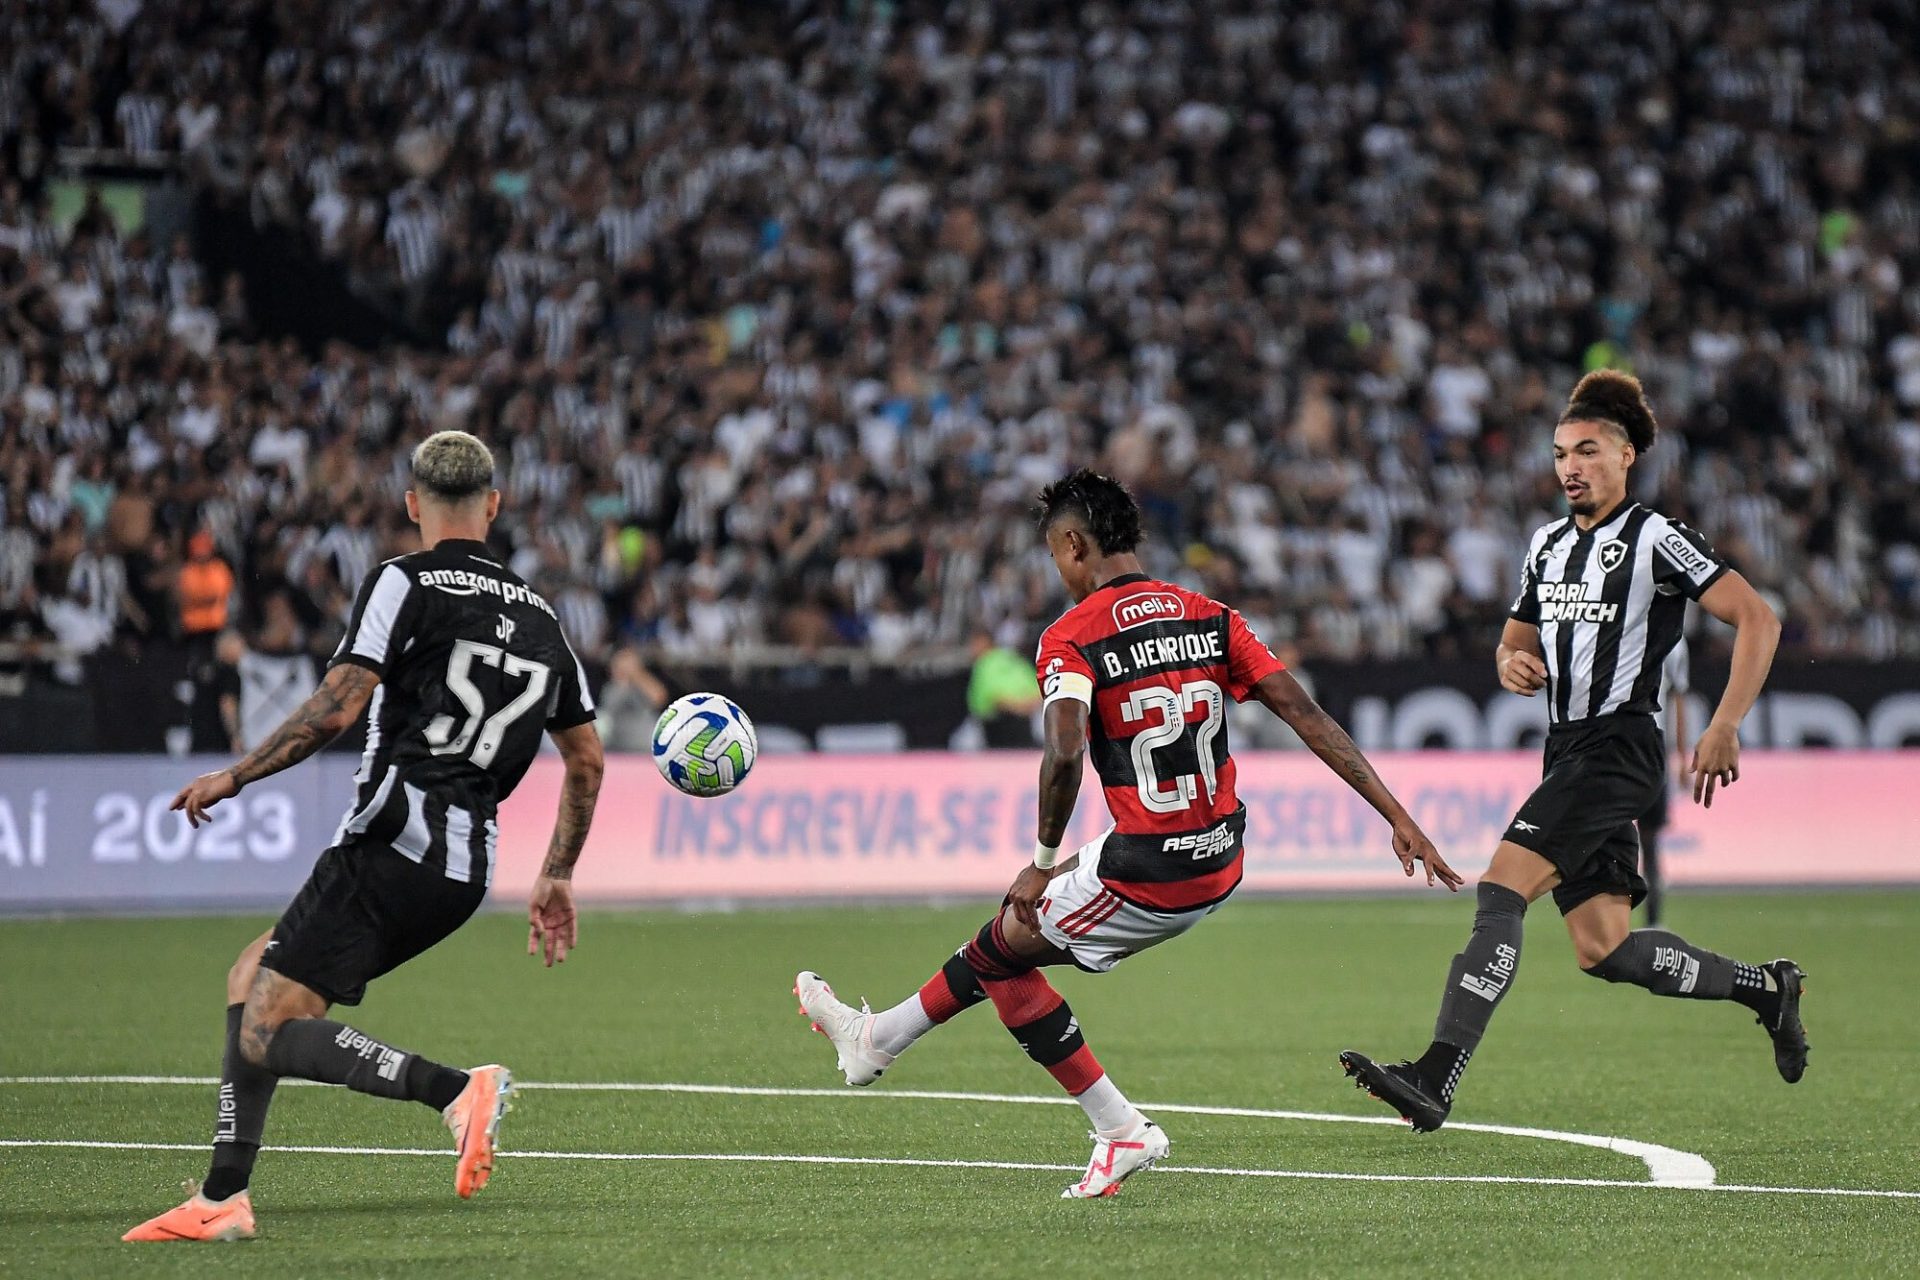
point(1155, 664)
point(473, 670)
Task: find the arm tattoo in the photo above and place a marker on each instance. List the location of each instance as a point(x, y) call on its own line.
point(1059, 789)
point(577, 797)
point(1330, 742)
point(323, 717)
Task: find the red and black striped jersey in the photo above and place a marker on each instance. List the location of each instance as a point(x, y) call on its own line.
point(1155, 664)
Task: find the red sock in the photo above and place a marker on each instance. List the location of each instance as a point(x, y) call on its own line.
point(953, 990)
point(1045, 1027)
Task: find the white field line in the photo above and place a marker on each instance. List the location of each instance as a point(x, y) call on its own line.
point(1666, 1166)
point(902, 1162)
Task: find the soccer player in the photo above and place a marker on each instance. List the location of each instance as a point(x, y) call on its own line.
point(1138, 672)
point(1601, 601)
point(459, 665)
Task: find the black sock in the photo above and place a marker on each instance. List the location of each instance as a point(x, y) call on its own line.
point(1440, 1066)
point(245, 1093)
point(333, 1053)
point(433, 1084)
point(1668, 965)
point(1480, 976)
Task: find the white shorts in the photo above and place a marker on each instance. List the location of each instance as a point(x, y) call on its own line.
point(1088, 921)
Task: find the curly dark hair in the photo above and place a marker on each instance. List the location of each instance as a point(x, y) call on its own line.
point(1608, 395)
point(1102, 504)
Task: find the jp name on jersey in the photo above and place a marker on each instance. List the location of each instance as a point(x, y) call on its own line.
point(1155, 665)
point(1610, 602)
point(473, 669)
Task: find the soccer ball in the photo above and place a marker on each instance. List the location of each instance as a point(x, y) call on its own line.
point(704, 744)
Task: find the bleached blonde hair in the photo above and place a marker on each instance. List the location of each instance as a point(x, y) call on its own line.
point(452, 466)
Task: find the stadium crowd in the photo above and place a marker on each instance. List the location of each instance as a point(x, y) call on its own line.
point(778, 314)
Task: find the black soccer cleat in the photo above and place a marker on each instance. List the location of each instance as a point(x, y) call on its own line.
point(1400, 1086)
point(1788, 1032)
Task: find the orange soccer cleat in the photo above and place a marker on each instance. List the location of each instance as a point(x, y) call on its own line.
point(200, 1219)
point(474, 1117)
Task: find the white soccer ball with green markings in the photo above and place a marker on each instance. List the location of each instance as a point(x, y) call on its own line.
point(704, 744)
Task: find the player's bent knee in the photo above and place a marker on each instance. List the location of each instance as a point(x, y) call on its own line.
point(1521, 870)
point(1025, 941)
point(1600, 961)
point(256, 1035)
point(240, 977)
point(245, 966)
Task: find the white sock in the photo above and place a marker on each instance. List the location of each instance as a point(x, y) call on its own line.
point(896, 1028)
point(1112, 1115)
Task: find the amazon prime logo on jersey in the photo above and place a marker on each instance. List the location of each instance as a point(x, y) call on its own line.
point(1611, 554)
point(504, 632)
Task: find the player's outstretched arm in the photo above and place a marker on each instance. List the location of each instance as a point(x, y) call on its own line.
point(1063, 760)
point(324, 716)
point(553, 928)
point(1282, 695)
point(1716, 758)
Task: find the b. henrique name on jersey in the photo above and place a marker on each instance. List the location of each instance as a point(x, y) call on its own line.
point(1164, 653)
point(1156, 664)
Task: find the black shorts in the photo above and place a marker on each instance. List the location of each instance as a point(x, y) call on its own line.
point(364, 911)
point(1600, 776)
point(1655, 818)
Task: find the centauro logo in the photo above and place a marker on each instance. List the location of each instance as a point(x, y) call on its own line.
point(1573, 602)
point(1685, 554)
point(1154, 606)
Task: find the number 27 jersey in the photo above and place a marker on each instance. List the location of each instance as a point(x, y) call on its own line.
point(1155, 665)
point(473, 670)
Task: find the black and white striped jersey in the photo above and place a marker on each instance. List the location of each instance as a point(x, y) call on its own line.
point(1610, 602)
point(473, 669)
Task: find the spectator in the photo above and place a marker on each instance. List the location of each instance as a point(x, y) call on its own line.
point(204, 593)
point(630, 703)
point(1309, 295)
point(213, 716)
point(275, 673)
point(1002, 693)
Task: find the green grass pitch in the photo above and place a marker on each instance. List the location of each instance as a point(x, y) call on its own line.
point(1248, 1010)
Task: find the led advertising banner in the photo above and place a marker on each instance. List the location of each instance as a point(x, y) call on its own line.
point(95, 832)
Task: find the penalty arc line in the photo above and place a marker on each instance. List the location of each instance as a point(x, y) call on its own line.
point(1666, 1166)
point(666, 1157)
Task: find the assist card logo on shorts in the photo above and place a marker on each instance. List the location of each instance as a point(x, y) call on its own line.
point(1152, 606)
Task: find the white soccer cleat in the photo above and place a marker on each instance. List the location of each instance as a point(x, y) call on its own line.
point(1117, 1159)
point(850, 1029)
